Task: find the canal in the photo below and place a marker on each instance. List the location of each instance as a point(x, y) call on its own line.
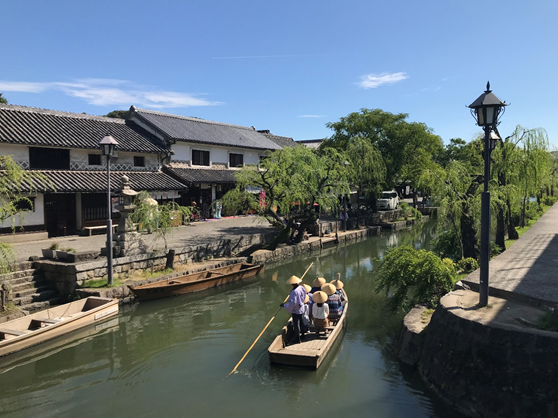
point(169, 357)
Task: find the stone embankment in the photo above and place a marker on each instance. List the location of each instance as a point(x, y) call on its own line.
point(486, 362)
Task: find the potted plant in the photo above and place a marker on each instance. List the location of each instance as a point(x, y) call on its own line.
point(62, 253)
point(50, 252)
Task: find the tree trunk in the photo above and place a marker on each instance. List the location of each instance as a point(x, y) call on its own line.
point(500, 228)
point(512, 232)
point(469, 236)
point(414, 198)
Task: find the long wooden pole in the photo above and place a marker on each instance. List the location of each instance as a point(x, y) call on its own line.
point(263, 330)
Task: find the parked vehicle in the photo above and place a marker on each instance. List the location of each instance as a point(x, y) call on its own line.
point(388, 201)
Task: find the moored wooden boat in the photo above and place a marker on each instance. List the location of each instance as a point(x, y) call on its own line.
point(45, 325)
point(196, 281)
point(312, 351)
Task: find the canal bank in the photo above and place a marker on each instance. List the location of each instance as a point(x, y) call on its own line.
point(493, 361)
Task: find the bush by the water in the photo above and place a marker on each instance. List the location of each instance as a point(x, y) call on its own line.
point(411, 277)
point(467, 265)
point(446, 244)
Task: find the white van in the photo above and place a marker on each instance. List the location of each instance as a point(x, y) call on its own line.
point(388, 201)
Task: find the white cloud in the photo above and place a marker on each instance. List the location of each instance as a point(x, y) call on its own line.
point(312, 116)
point(372, 81)
point(104, 92)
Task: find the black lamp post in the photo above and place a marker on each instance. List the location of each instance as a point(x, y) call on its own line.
point(486, 110)
point(108, 145)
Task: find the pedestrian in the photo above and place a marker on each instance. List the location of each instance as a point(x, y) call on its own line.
point(295, 306)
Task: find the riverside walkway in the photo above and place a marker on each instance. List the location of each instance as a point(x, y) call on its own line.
point(529, 268)
point(197, 233)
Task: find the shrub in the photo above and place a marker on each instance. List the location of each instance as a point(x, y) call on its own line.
point(53, 246)
point(447, 244)
point(410, 276)
point(467, 265)
point(534, 211)
point(495, 249)
point(549, 200)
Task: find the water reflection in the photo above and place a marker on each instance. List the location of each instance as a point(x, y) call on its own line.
point(169, 357)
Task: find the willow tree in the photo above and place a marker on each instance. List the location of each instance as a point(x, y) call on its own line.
point(15, 184)
point(287, 186)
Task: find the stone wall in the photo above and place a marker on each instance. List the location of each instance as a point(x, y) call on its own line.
point(493, 370)
point(66, 277)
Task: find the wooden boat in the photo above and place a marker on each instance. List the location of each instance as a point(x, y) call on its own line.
point(196, 281)
point(42, 326)
point(312, 351)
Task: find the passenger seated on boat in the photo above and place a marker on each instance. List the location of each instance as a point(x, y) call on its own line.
point(339, 286)
point(295, 306)
point(320, 311)
point(308, 302)
point(305, 316)
point(334, 302)
point(317, 284)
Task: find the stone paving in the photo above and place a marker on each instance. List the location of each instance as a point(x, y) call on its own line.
point(529, 268)
point(197, 233)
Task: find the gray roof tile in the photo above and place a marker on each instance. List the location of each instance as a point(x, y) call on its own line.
point(41, 127)
point(188, 129)
point(199, 175)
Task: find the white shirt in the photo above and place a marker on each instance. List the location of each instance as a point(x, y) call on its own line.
point(320, 312)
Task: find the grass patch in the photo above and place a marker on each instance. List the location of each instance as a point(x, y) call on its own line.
point(529, 224)
point(99, 283)
point(548, 322)
point(426, 315)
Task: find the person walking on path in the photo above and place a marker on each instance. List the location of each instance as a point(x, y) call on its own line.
point(295, 306)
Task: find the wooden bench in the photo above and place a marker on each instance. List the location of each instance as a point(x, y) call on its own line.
point(90, 229)
point(13, 332)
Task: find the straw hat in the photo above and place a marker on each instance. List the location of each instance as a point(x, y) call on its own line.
point(307, 288)
point(306, 299)
point(337, 283)
point(319, 297)
point(329, 289)
point(319, 282)
point(293, 280)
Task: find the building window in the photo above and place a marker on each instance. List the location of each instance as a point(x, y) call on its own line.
point(94, 159)
point(139, 161)
point(200, 157)
point(27, 204)
point(49, 158)
point(236, 160)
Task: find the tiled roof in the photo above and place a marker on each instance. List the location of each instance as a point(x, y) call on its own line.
point(283, 141)
point(188, 129)
point(201, 175)
point(42, 127)
point(66, 181)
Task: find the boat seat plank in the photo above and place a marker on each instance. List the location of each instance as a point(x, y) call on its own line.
point(48, 320)
point(13, 332)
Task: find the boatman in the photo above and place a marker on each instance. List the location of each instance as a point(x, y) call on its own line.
point(295, 306)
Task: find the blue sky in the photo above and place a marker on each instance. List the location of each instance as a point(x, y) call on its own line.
point(289, 66)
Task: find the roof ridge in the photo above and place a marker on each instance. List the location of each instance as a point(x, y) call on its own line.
point(194, 119)
point(59, 113)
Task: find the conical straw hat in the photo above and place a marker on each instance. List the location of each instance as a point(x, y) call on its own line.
point(329, 289)
point(293, 280)
point(306, 299)
point(307, 288)
point(319, 282)
point(319, 297)
point(338, 284)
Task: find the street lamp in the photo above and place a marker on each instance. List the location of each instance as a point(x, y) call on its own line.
point(345, 164)
point(108, 145)
point(486, 110)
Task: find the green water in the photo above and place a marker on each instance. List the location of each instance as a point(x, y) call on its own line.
point(169, 357)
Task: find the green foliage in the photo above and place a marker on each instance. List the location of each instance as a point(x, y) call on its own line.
point(446, 244)
point(411, 276)
point(7, 257)
point(549, 200)
point(548, 321)
point(117, 114)
point(294, 179)
point(534, 211)
point(467, 265)
point(3, 100)
point(53, 246)
point(495, 249)
point(99, 283)
point(158, 219)
point(68, 250)
point(409, 211)
point(366, 169)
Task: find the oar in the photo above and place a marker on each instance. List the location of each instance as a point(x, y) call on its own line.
point(263, 330)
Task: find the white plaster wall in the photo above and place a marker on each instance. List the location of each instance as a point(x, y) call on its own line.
point(19, 152)
point(183, 152)
point(31, 218)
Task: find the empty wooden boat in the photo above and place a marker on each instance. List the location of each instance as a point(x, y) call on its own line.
point(196, 281)
point(45, 325)
point(312, 351)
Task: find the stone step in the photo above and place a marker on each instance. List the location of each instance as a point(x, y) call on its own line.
point(16, 274)
point(30, 291)
point(35, 297)
point(45, 304)
point(35, 277)
point(39, 282)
